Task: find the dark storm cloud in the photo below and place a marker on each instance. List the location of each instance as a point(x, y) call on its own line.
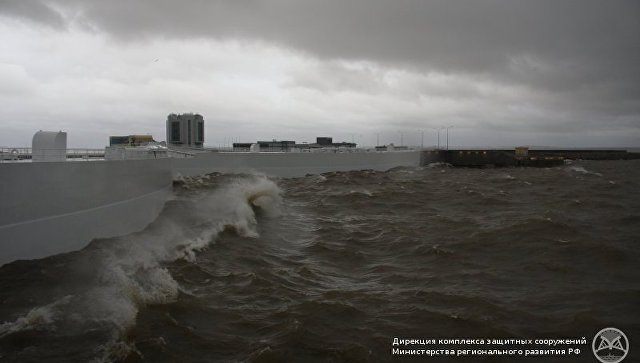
point(35, 10)
point(550, 44)
point(582, 54)
point(477, 36)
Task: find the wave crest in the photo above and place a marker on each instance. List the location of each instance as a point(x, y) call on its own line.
point(120, 275)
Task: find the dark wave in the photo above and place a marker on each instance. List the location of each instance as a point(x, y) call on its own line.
point(332, 267)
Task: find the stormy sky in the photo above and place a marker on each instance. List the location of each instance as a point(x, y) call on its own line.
point(499, 72)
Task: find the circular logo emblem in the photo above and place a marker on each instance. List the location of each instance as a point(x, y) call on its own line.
point(610, 345)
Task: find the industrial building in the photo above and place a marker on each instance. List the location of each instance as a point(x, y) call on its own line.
point(273, 146)
point(283, 146)
point(130, 140)
point(324, 141)
point(328, 142)
point(186, 129)
point(242, 146)
point(276, 146)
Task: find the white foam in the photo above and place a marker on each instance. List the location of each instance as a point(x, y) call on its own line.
point(438, 165)
point(580, 169)
point(41, 317)
point(133, 269)
point(115, 350)
point(131, 272)
point(361, 191)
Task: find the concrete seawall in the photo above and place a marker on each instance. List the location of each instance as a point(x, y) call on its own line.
point(291, 165)
point(57, 207)
point(504, 158)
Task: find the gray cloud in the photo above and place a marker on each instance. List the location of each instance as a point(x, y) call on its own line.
point(34, 10)
point(575, 59)
point(447, 34)
point(549, 44)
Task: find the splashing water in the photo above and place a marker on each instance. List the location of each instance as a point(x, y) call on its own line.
point(236, 270)
point(122, 274)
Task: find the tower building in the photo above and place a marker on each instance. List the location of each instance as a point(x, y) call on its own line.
point(186, 129)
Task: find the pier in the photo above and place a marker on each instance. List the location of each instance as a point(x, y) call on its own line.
point(483, 158)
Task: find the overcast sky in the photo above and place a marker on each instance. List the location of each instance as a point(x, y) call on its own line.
point(501, 72)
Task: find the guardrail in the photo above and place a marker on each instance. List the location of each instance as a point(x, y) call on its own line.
point(178, 154)
point(10, 154)
point(304, 150)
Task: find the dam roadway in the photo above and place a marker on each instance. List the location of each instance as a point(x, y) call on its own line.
point(510, 157)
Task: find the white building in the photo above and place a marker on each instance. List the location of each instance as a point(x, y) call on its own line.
point(49, 146)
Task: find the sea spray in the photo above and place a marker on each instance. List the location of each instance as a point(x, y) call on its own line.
point(336, 277)
point(120, 275)
point(41, 317)
point(582, 170)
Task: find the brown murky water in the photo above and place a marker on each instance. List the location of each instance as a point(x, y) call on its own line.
point(329, 268)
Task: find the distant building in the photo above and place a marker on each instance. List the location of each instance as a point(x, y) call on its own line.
point(391, 147)
point(324, 141)
point(328, 142)
point(522, 151)
point(130, 140)
point(186, 129)
point(303, 147)
point(343, 144)
point(287, 145)
point(276, 145)
point(242, 146)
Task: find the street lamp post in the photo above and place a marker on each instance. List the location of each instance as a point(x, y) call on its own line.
point(449, 127)
point(439, 129)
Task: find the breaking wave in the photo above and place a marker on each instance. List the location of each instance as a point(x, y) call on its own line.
point(129, 272)
point(37, 318)
point(582, 170)
point(234, 271)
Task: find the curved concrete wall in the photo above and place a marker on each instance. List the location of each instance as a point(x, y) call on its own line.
point(50, 208)
point(57, 207)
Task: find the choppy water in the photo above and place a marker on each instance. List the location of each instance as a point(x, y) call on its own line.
point(329, 268)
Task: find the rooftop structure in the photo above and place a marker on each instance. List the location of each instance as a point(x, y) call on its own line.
point(49, 146)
